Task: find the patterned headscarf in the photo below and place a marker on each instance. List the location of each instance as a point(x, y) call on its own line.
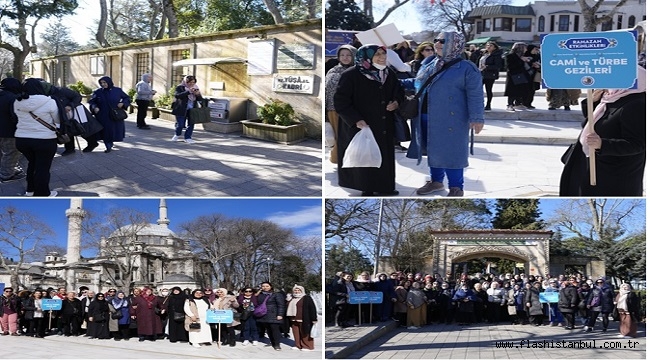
point(452, 48)
point(363, 61)
point(519, 48)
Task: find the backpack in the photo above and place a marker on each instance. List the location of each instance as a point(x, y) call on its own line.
point(260, 310)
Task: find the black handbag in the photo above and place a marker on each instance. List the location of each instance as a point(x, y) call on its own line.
point(100, 317)
point(61, 138)
point(402, 129)
point(199, 115)
point(195, 325)
point(179, 316)
point(117, 314)
point(615, 315)
point(118, 114)
point(519, 79)
point(74, 128)
point(410, 105)
point(87, 120)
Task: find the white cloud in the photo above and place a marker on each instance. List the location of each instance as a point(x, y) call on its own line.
point(305, 217)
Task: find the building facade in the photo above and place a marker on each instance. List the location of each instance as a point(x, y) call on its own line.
point(275, 61)
point(509, 24)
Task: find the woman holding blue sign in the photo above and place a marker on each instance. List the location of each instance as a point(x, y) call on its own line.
point(226, 302)
point(619, 139)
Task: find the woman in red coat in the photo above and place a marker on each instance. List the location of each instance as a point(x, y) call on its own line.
point(143, 308)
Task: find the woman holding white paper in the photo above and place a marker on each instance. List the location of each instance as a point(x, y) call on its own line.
point(366, 96)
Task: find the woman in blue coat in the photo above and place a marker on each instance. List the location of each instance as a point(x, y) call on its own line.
point(102, 103)
point(455, 96)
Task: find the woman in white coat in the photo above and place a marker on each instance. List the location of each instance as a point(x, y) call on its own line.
point(195, 312)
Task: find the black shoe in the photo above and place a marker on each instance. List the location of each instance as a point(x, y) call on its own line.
point(390, 193)
point(89, 148)
point(141, 339)
point(567, 108)
point(277, 348)
point(67, 152)
point(107, 150)
point(145, 127)
point(551, 108)
point(487, 107)
point(367, 193)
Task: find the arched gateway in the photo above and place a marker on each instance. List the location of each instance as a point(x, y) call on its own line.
point(452, 247)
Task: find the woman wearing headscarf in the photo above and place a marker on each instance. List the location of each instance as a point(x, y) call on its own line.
point(275, 312)
point(144, 308)
point(465, 298)
point(10, 169)
point(195, 309)
point(175, 305)
point(345, 55)
point(517, 65)
point(534, 306)
point(455, 96)
point(416, 300)
point(619, 139)
point(223, 301)
point(366, 96)
point(210, 295)
point(102, 103)
point(627, 305)
point(98, 314)
point(302, 315)
point(187, 96)
point(119, 328)
point(33, 139)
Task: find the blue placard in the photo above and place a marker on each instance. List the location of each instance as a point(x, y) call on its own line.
point(336, 38)
point(592, 60)
point(359, 297)
point(214, 316)
point(2, 288)
point(549, 297)
point(375, 297)
point(51, 304)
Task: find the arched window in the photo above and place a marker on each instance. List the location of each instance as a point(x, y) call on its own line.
point(540, 24)
point(631, 22)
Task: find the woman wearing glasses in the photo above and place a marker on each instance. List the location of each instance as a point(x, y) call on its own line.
point(423, 51)
point(450, 106)
point(490, 64)
point(248, 303)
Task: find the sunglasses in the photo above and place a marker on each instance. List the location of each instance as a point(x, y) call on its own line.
point(442, 41)
point(248, 291)
point(427, 49)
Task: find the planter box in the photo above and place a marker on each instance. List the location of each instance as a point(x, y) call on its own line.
point(291, 134)
point(166, 114)
point(223, 127)
point(152, 112)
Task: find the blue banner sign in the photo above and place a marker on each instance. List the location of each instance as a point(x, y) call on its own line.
point(366, 297)
point(214, 316)
point(51, 304)
point(2, 288)
point(549, 297)
point(592, 60)
point(336, 38)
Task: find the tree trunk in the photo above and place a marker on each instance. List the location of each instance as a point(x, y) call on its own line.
point(273, 9)
point(169, 12)
point(101, 28)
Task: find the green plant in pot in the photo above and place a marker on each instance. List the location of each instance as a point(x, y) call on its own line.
point(165, 101)
point(81, 88)
point(277, 112)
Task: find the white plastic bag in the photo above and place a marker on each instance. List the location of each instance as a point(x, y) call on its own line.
point(315, 331)
point(330, 139)
point(363, 151)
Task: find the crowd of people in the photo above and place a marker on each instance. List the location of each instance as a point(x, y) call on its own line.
point(369, 84)
point(414, 300)
point(36, 112)
point(177, 315)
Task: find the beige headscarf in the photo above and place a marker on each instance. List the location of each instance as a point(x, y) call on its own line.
point(292, 307)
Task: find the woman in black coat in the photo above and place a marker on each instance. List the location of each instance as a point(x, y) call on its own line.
point(517, 65)
point(175, 305)
point(367, 95)
point(98, 314)
point(187, 96)
point(490, 65)
point(619, 140)
point(533, 304)
point(275, 311)
point(71, 315)
point(302, 315)
point(569, 303)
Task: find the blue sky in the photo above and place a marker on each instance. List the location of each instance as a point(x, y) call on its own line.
point(303, 216)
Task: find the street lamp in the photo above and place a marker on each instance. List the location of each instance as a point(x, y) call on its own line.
point(268, 264)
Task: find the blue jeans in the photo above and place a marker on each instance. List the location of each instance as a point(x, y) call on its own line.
point(454, 176)
point(180, 124)
point(250, 329)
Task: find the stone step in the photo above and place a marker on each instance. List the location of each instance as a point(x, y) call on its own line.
point(535, 132)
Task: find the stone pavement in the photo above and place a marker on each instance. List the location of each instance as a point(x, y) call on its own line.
point(148, 164)
point(479, 341)
point(60, 347)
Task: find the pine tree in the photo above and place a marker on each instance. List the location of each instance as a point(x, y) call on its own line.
point(346, 15)
point(57, 40)
point(517, 214)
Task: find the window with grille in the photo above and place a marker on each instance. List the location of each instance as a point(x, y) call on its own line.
point(64, 73)
point(563, 24)
point(523, 25)
point(141, 64)
point(179, 71)
point(606, 26)
point(631, 21)
point(540, 24)
point(576, 23)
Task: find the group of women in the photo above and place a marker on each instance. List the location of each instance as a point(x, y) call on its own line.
point(414, 301)
point(41, 111)
point(362, 91)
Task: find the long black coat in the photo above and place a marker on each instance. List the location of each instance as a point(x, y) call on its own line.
point(275, 306)
point(621, 159)
point(568, 299)
point(532, 297)
point(493, 65)
point(309, 313)
point(359, 98)
point(8, 118)
point(516, 66)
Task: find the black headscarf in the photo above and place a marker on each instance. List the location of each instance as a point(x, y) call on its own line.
point(108, 80)
point(31, 87)
point(11, 84)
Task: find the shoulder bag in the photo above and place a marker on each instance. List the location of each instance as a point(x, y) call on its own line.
point(260, 310)
point(118, 114)
point(60, 137)
point(410, 106)
point(519, 79)
point(199, 114)
point(179, 316)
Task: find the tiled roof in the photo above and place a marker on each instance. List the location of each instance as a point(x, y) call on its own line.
point(484, 11)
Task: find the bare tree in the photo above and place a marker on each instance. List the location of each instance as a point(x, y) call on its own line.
point(100, 36)
point(22, 236)
point(589, 13)
point(368, 10)
point(169, 12)
point(450, 15)
point(274, 10)
point(116, 237)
